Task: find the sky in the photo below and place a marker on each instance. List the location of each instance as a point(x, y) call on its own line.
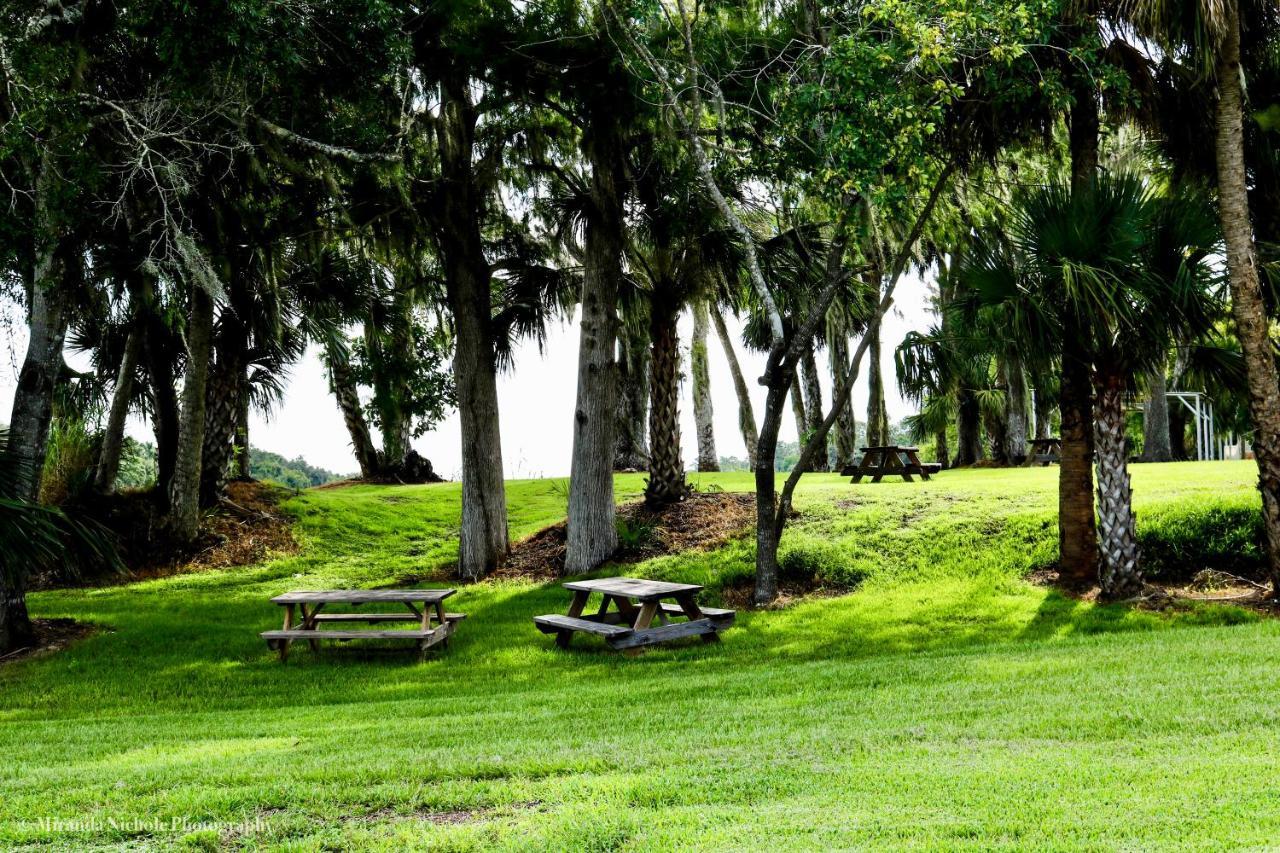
point(536, 400)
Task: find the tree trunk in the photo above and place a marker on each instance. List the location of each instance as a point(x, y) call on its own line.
point(1015, 412)
point(813, 409)
point(104, 475)
point(631, 449)
point(968, 429)
point(846, 427)
point(483, 541)
point(222, 409)
point(1077, 532)
point(1247, 306)
point(940, 448)
point(343, 385)
point(184, 494)
point(766, 586)
point(164, 405)
point(997, 436)
point(1178, 432)
point(1156, 446)
point(666, 482)
point(33, 398)
point(244, 456)
point(700, 374)
point(592, 534)
point(1043, 413)
point(1120, 575)
point(746, 413)
point(875, 394)
point(798, 409)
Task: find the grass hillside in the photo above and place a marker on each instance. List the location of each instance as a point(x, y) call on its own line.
point(946, 703)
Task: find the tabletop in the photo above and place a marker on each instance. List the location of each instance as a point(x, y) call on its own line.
point(363, 596)
point(642, 590)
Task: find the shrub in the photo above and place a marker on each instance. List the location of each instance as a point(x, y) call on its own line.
point(1181, 539)
point(68, 463)
point(811, 561)
point(633, 535)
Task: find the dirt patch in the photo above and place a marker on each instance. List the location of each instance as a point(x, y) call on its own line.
point(703, 521)
point(52, 635)
point(742, 596)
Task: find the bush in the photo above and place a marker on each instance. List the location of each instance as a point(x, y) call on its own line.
point(811, 561)
point(633, 535)
point(1181, 539)
point(68, 463)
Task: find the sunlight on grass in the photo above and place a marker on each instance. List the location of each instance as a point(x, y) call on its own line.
point(938, 704)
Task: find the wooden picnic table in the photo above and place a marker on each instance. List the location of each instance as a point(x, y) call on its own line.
point(904, 460)
point(423, 606)
point(1045, 451)
point(636, 603)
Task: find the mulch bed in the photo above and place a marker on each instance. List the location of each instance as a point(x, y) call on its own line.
point(245, 528)
point(1208, 586)
point(703, 521)
point(52, 635)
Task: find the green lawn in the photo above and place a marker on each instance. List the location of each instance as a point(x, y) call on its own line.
point(946, 703)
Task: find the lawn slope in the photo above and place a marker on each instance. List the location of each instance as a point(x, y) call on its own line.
point(946, 703)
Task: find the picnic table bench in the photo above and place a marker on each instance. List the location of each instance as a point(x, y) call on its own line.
point(1045, 451)
point(636, 603)
point(423, 606)
point(878, 461)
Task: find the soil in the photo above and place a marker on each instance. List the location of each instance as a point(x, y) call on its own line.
point(703, 521)
point(52, 635)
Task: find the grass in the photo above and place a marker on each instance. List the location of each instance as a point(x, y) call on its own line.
point(946, 703)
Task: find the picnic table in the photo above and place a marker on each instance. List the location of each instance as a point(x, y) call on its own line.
point(636, 603)
point(876, 462)
point(423, 606)
point(1045, 451)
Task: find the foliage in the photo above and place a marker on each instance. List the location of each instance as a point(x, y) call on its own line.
point(69, 461)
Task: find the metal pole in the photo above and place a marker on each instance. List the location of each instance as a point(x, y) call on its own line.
point(1213, 435)
point(1199, 432)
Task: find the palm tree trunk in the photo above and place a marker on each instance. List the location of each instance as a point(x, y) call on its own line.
point(1120, 575)
point(483, 540)
point(343, 385)
point(222, 408)
point(631, 448)
point(846, 426)
point(746, 414)
point(767, 535)
point(104, 475)
point(244, 460)
point(814, 415)
point(1043, 413)
point(1077, 532)
point(940, 448)
point(592, 534)
point(666, 482)
point(968, 429)
point(184, 494)
point(1015, 412)
point(1247, 306)
point(875, 393)
point(700, 374)
point(1156, 446)
point(164, 405)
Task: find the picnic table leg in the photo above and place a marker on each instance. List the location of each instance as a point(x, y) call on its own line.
point(283, 645)
point(915, 460)
point(309, 623)
point(882, 465)
point(899, 459)
point(857, 474)
point(575, 610)
point(644, 619)
point(689, 605)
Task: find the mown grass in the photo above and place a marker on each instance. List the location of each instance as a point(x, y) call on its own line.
point(946, 703)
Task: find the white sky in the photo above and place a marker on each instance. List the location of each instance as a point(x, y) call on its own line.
point(536, 400)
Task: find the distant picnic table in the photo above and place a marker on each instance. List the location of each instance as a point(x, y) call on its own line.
point(891, 459)
point(424, 606)
point(1045, 451)
point(636, 603)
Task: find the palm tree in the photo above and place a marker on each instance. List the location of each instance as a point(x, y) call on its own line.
point(1126, 269)
point(1209, 31)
